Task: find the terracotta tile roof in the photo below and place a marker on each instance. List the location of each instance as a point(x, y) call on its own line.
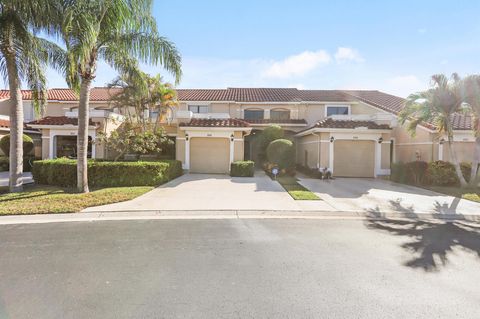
point(462, 121)
point(348, 124)
point(4, 123)
point(384, 101)
point(215, 123)
point(57, 120)
point(270, 121)
point(96, 94)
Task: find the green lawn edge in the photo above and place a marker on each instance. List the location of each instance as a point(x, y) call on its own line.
point(296, 190)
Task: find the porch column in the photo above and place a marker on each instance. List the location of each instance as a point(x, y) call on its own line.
point(378, 158)
point(187, 153)
point(330, 156)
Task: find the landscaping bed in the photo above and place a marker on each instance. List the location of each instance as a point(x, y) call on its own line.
point(294, 189)
point(41, 199)
point(472, 194)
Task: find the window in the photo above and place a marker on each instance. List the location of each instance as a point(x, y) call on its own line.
point(198, 108)
point(253, 114)
point(337, 110)
point(280, 114)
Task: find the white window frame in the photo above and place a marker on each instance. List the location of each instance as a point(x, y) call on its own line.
point(198, 106)
point(338, 105)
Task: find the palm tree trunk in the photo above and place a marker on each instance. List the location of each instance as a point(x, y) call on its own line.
point(82, 137)
point(16, 122)
point(475, 162)
point(456, 164)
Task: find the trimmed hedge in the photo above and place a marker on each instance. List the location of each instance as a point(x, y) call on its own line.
point(5, 163)
point(27, 144)
point(282, 153)
point(438, 173)
point(63, 172)
point(242, 169)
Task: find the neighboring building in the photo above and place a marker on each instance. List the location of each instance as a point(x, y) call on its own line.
point(34, 134)
point(352, 133)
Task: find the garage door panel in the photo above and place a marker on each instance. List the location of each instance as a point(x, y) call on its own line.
point(354, 158)
point(209, 155)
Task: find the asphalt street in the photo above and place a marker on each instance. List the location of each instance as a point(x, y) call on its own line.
point(240, 268)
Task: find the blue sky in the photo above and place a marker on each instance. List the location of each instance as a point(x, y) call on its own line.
point(393, 46)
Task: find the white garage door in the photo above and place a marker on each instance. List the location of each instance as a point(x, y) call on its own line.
point(209, 155)
point(354, 158)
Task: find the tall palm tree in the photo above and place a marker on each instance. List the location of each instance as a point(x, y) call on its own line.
point(471, 94)
point(436, 105)
point(117, 32)
point(24, 57)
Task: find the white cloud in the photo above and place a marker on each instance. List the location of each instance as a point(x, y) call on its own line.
point(297, 65)
point(422, 30)
point(345, 54)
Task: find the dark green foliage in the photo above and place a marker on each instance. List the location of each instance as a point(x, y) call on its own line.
point(268, 135)
point(442, 173)
point(438, 173)
point(242, 168)
point(4, 163)
point(63, 172)
point(5, 144)
point(282, 153)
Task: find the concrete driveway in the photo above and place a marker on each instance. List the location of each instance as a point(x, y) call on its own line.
point(380, 196)
point(26, 178)
point(214, 192)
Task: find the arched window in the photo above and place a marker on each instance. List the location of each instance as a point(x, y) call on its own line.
point(280, 114)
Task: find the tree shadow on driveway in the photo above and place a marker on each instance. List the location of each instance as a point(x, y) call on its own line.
point(429, 242)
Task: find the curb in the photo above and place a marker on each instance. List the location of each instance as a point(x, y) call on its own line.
point(223, 214)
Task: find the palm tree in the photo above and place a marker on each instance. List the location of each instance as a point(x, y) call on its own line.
point(117, 32)
point(24, 57)
point(471, 95)
point(436, 105)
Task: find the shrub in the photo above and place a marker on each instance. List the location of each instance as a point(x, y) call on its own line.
point(442, 173)
point(416, 172)
point(242, 168)
point(268, 135)
point(4, 163)
point(27, 144)
point(63, 172)
point(282, 153)
point(398, 173)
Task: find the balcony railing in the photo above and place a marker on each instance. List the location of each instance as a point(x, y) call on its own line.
point(376, 117)
point(97, 113)
point(190, 115)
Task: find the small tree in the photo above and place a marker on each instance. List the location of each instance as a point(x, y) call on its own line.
point(268, 135)
point(134, 138)
point(282, 153)
point(27, 144)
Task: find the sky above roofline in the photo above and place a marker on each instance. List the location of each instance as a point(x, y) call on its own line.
point(389, 46)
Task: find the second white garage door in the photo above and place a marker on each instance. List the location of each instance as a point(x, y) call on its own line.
point(209, 155)
point(354, 158)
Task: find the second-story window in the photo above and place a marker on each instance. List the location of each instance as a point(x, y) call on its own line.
point(337, 110)
point(280, 115)
point(253, 114)
point(198, 108)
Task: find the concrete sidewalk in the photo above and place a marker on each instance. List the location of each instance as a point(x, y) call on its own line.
point(27, 178)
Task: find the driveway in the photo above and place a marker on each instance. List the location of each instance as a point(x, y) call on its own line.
point(27, 178)
point(380, 196)
point(214, 192)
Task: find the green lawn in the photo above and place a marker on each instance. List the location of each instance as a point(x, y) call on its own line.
point(297, 191)
point(42, 199)
point(472, 194)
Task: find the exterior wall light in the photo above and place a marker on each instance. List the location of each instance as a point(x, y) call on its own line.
point(380, 140)
point(232, 137)
point(332, 139)
point(186, 137)
point(441, 141)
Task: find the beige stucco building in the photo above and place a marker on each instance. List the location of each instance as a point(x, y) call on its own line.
point(350, 133)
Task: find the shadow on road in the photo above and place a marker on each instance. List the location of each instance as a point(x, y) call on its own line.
point(429, 243)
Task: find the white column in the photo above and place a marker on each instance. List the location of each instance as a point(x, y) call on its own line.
point(440, 151)
point(93, 136)
point(378, 157)
point(330, 157)
point(232, 147)
point(187, 153)
point(52, 142)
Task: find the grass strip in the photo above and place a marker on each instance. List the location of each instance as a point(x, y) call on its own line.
point(297, 191)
